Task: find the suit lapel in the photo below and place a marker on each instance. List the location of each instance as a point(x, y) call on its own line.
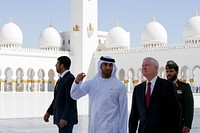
point(155, 90)
point(57, 86)
point(59, 82)
point(143, 89)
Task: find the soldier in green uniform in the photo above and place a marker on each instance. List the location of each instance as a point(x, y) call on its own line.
point(184, 93)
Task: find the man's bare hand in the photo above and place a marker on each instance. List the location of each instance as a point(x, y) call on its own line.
point(46, 117)
point(80, 77)
point(186, 129)
point(63, 123)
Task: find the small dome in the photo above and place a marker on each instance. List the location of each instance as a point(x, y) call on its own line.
point(154, 33)
point(10, 33)
point(118, 36)
point(192, 28)
point(50, 38)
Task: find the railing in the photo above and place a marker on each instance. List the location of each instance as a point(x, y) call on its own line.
point(146, 49)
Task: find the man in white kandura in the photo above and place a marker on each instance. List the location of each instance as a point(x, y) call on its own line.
point(108, 110)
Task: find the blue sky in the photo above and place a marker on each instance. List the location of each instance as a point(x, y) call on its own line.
point(132, 15)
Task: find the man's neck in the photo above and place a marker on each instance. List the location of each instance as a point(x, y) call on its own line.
point(105, 77)
point(63, 73)
point(175, 81)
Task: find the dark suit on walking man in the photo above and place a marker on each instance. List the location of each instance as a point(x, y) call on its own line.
point(162, 115)
point(63, 107)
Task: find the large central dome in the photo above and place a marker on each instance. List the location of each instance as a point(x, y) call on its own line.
point(117, 36)
point(154, 33)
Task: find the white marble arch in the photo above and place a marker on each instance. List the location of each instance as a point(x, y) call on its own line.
point(41, 80)
point(19, 80)
point(51, 80)
point(141, 78)
point(130, 77)
point(121, 74)
point(162, 72)
point(8, 79)
point(183, 73)
point(195, 75)
point(30, 80)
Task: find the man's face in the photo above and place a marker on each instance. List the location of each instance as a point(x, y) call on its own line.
point(58, 67)
point(106, 69)
point(171, 74)
point(148, 69)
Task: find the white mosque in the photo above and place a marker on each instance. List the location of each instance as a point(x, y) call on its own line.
point(28, 76)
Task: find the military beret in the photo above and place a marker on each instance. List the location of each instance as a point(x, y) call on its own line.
point(171, 64)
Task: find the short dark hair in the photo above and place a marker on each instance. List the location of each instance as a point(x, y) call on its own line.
point(65, 61)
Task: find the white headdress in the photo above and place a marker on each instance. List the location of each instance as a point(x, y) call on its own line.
point(106, 59)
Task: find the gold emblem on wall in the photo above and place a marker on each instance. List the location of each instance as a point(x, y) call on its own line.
point(90, 28)
point(76, 28)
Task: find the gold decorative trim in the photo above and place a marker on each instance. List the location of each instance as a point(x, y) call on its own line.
point(45, 81)
point(191, 80)
point(14, 80)
point(2, 80)
point(135, 81)
point(126, 81)
point(36, 81)
point(184, 80)
point(23, 81)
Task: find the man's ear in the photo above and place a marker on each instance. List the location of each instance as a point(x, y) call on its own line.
point(156, 67)
point(62, 65)
point(101, 66)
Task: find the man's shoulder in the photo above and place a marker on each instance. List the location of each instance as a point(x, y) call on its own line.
point(163, 80)
point(182, 83)
point(140, 85)
point(116, 80)
point(69, 75)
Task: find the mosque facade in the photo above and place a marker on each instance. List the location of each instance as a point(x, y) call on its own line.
point(28, 72)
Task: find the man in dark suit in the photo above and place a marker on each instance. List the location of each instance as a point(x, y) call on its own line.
point(154, 103)
point(63, 107)
point(185, 96)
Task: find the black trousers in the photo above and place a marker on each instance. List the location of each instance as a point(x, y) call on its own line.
point(67, 129)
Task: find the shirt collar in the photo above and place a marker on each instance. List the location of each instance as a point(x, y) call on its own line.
point(175, 81)
point(153, 81)
point(63, 74)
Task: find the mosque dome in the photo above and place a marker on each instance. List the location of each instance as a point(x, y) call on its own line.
point(50, 39)
point(11, 35)
point(117, 36)
point(154, 35)
point(191, 31)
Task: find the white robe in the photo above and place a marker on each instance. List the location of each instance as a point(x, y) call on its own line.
point(108, 109)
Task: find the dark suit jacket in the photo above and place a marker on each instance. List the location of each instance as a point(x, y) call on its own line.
point(63, 106)
point(163, 114)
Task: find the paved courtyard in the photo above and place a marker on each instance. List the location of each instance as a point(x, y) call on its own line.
point(37, 125)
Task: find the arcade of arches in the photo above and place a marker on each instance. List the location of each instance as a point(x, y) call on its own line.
point(133, 77)
point(19, 81)
point(39, 81)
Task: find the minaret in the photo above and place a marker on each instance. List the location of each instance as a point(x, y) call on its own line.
point(83, 33)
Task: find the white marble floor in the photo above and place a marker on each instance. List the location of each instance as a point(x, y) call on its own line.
point(37, 125)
